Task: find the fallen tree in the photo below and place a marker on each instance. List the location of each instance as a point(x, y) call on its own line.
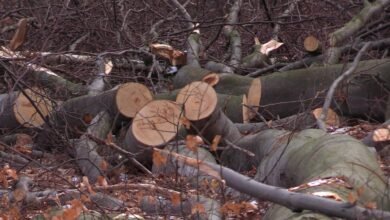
point(311, 161)
point(287, 93)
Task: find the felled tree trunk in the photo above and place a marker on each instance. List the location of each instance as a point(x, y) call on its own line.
point(230, 105)
point(344, 166)
point(125, 100)
point(153, 126)
point(287, 93)
point(16, 110)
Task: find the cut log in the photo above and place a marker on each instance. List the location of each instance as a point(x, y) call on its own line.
point(202, 96)
point(228, 103)
point(154, 125)
point(125, 100)
point(312, 44)
point(288, 93)
point(343, 165)
point(16, 110)
point(249, 106)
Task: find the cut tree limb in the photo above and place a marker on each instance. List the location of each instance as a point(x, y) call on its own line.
point(228, 103)
point(312, 44)
point(125, 100)
point(154, 125)
point(16, 110)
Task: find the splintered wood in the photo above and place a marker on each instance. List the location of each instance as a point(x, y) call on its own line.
point(199, 100)
point(156, 123)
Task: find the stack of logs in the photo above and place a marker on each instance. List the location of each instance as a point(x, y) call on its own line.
point(209, 105)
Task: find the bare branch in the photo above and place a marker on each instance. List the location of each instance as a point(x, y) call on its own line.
point(321, 124)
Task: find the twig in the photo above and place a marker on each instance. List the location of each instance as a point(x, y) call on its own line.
point(320, 122)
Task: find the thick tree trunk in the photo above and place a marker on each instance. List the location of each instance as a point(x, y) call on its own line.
point(287, 93)
point(16, 110)
point(125, 100)
point(344, 166)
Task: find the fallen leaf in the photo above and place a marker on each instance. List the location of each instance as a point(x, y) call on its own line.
point(184, 121)
point(101, 181)
point(370, 205)
point(74, 211)
point(360, 191)
point(20, 35)
point(159, 159)
point(231, 207)
point(352, 198)
point(193, 142)
point(214, 144)
point(175, 199)
point(198, 208)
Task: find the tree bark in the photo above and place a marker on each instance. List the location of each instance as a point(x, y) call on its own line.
point(124, 100)
point(344, 165)
point(288, 93)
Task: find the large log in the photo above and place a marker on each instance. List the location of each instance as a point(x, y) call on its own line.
point(154, 125)
point(124, 100)
point(287, 93)
point(230, 105)
point(16, 110)
point(343, 165)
